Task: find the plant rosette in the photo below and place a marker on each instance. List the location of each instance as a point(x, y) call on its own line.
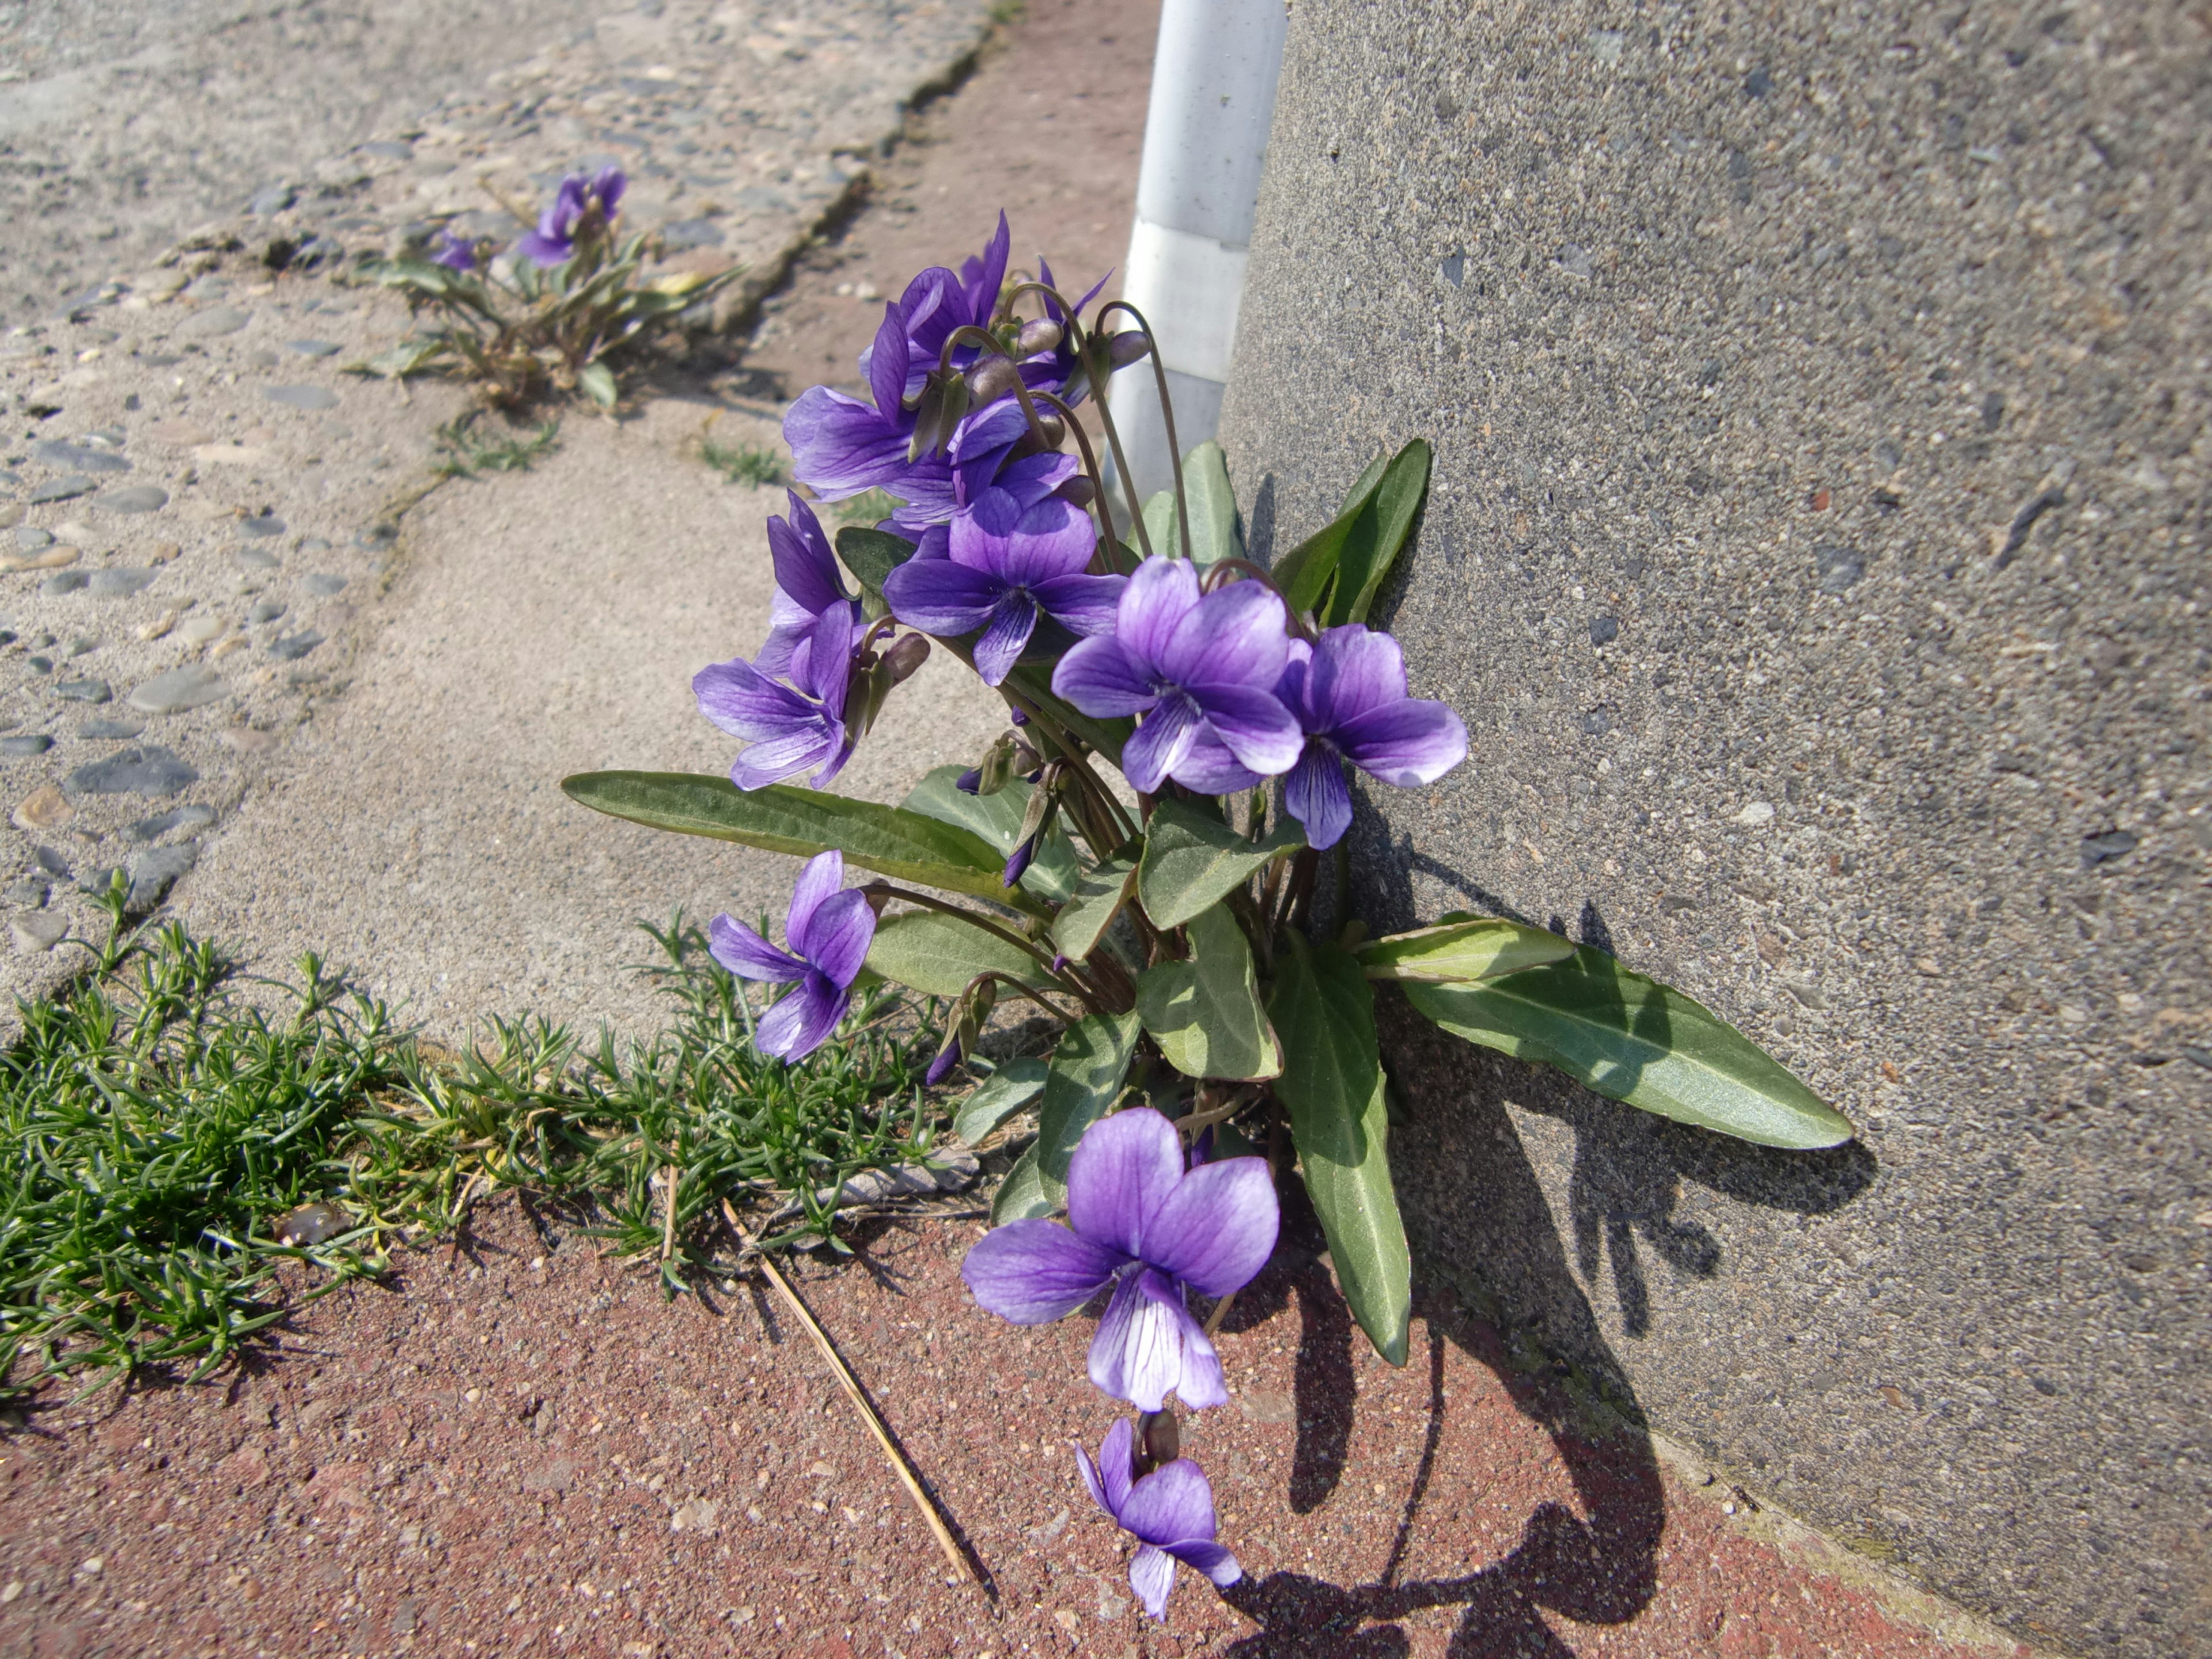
point(1200, 1011)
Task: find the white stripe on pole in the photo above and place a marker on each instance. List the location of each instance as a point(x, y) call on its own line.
point(1205, 137)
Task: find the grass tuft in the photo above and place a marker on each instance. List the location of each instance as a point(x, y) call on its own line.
point(465, 452)
point(155, 1124)
point(744, 463)
point(870, 506)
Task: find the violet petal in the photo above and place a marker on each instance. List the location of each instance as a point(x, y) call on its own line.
point(1034, 1272)
point(747, 955)
point(1216, 1227)
point(1122, 1170)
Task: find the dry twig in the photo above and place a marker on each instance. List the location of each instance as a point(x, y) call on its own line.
point(900, 1467)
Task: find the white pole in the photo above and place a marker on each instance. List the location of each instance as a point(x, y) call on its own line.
point(1206, 137)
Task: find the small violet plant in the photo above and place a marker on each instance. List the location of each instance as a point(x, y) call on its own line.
point(1155, 855)
point(556, 311)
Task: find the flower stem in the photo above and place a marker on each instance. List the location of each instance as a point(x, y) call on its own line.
point(1167, 413)
point(885, 889)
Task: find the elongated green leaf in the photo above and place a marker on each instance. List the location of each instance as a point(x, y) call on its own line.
point(997, 819)
point(1160, 527)
point(1305, 573)
point(1205, 1013)
point(872, 555)
point(998, 1097)
point(1332, 1086)
point(1463, 947)
point(1083, 920)
point(1638, 1041)
point(1082, 1082)
point(937, 955)
point(784, 818)
point(1022, 1196)
point(1212, 511)
point(1192, 859)
point(598, 383)
point(1379, 534)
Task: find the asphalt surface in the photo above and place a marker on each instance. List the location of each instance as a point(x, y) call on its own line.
point(125, 123)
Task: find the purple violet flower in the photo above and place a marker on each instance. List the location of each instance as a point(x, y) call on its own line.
point(840, 445)
point(554, 242)
point(1006, 565)
point(827, 930)
point(789, 730)
point(454, 252)
point(1200, 670)
point(1169, 1511)
point(1139, 1223)
point(1349, 694)
point(810, 596)
point(935, 303)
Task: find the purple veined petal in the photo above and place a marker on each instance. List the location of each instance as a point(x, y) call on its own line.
point(1211, 769)
point(981, 278)
point(747, 955)
point(1355, 672)
point(1031, 1273)
point(1124, 1169)
point(837, 937)
point(1159, 597)
point(829, 656)
point(1413, 742)
point(1290, 690)
point(1082, 604)
point(1173, 1504)
point(1203, 1386)
point(608, 186)
point(819, 878)
point(841, 751)
point(841, 447)
point(542, 250)
point(941, 595)
point(1258, 730)
point(738, 698)
point(1012, 621)
point(980, 530)
point(887, 362)
point(806, 568)
point(1052, 538)
point(1236, 635)
point(803, 1020)
point(981, 444)
point(790, 625)
point(1091, 1484)
point(1100, 677)
point(926, 493)
point(1203, 1555)
point(1117, 1463)
point(1314, 793)
point(1137, 1352)
point(1162, 740)
point(774, 759)
point(1217, 1226)
point(1033, 477)
point(935, 542)
point(1151, 1575)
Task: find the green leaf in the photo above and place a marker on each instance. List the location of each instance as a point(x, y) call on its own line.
point(938, 955)
point(997, 819)
point(1192, 859)
point(785, 818)
point(1638, 1041)
point(1205, 1013)
point(1379, 534)
point(1081, 1085)
point(1022, 1196)
point(998, 1097)
point(1303, 574)
point(1463, 947)
point(1212, 506)
point(1083, 920)
point(872, 555)
point(598, 383)
point(1334, 1088)
point(1161, 528)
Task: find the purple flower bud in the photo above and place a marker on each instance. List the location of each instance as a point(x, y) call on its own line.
point(1129, 346)
point(991, 379)
point(1041, 335)
point(970, 782)
point(1018, 716)
point(940, 1068)
point(455, 252)
point(906, 656)
point(1018, 863)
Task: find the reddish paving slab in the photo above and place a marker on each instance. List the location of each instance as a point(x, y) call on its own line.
point(519, 1447)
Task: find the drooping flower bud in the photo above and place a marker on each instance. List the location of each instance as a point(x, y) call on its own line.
point(943, 404)
point(906, 656)
point(998, 766)
point(991, 379)
point(1077, 492)
point(1159, 1440)
point(947, 1057)
point(1041, 335)
point(1129, 346)
point(970, 782)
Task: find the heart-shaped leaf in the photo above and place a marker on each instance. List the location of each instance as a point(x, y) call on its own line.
point(1080, 1086)
point(1099, 894)
point(1638, 1041)
point(872, 555)
point(1022, 1195)
point(998, 1097)
point(938, 955)
point(1205, 1013)
point(1192, 859)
